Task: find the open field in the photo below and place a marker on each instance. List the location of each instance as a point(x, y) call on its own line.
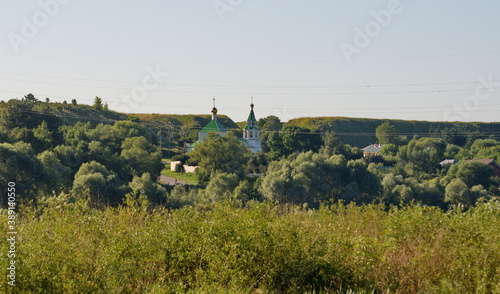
point(71, 248)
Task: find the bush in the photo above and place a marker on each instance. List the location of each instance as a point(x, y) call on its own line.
point(72, 248)
point(179, 168)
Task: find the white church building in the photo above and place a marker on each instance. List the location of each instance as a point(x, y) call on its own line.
point(251, 133)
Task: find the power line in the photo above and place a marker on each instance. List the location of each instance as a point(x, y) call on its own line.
point(334, 111)
point(254, 86)
point(254, 61)
point(250, 93)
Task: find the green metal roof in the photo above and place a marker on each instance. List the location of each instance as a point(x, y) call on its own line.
point(251, 121)
point(213, 126)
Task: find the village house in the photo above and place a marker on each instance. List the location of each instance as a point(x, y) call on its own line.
point(372, 150)
point(490, 162)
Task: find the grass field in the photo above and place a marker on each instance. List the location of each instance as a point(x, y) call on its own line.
point(190, 178)
point(71, 248)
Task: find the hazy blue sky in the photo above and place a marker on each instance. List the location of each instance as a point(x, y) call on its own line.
point(419, 60)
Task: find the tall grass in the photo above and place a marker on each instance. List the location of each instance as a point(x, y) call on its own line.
point(70, 248)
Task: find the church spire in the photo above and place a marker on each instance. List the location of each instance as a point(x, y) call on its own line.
point(251, 121)
point(251, 133)
point(214, 111)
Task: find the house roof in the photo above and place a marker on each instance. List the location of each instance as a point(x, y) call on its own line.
point(490, 162)
point(213, 126)
point(375, 148)
point(448, 161)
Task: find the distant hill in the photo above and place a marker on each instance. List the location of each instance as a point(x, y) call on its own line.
point(360, 132)
point(195, 121)
point(68, 114)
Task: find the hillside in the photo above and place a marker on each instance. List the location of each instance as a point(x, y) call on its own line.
point(360, 132)
point(69, 114)
point(194, 121)
point(357, 132)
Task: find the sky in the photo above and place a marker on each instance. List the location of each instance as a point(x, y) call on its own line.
point(418, 60)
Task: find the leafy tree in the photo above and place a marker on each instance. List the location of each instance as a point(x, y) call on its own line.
point(332, 145)
point(179, 168)
point(257, 163)
point(141, 156)
point(244, 191)
point(126, 129)
point(482, 149)
point(44, 135)
point(221, 187)
point(74, 102)
point(452, 151)
point(386, 133)
point(98, 103)
point(18, 164)
point(103, 154)
point(298, 139)
point(107, 135)
point(24, 114)
point(218, 154)
point(72, 135)
point(58, 176)
point(312, 177)
point(146, 186)
point(272, 144)
point(291, 139)
point(389, 149)
point(97, 185)
point(457, 192)
point(492, 152)
point(424, 153)
point(69, 156)
point(455, 136)
point(181, 196)
point(476, 192)
point(271, 123)
point(30, 98)
point(367, 183)
point(403, 193)
point(471, 173)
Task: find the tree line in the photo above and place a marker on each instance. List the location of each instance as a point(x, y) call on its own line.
point(106, 163)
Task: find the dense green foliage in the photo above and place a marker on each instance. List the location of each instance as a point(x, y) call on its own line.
point(218, 154)
point(360, 132)
point(308, 214)
point(71, 248)
point(46, 155)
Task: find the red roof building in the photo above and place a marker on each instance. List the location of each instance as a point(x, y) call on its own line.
point(490, 162)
